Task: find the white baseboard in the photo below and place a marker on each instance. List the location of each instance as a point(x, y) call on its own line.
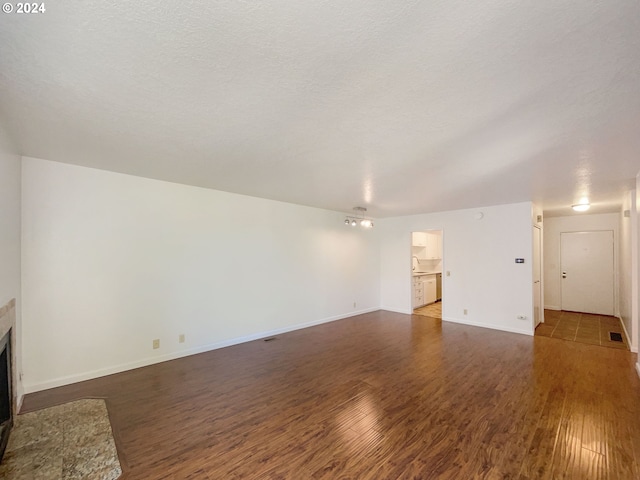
point(69, 379)
point(626, 334)
point(638, 369)
point(489, 325)
point(552, 307)
point(396, 310)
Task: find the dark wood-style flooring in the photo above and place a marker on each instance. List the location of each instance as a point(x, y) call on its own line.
point(377, 396)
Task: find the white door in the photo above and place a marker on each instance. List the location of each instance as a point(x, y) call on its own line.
point(537, 284)
point(586, 260)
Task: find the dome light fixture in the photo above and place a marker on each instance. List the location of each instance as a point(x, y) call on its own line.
point(581, 207)
point(359, 217)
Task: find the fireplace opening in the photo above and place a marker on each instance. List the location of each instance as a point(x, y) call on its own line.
point(6, 416)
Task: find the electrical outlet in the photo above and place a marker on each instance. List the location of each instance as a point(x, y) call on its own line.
point(464, 311)
point(156, 343)
point(521, 317)
point(181, 338)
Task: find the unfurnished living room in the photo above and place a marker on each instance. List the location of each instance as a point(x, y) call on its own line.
point(319, 240)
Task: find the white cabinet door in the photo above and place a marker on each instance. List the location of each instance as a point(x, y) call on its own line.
point(434, 246)
point(430, 289)
point(419, 239)
point(418, 293)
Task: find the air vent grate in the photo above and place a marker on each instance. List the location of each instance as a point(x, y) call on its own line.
point(615, 337)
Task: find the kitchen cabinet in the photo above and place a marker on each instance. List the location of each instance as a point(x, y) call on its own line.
point(427, 246)
point(429, 289)
point(419, 239)
point(425, 288)
point(433, 247)
point(418, 293)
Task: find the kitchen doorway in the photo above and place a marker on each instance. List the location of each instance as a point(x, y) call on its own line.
point(426, 273)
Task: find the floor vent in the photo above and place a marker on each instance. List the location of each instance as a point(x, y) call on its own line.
point(615, 337)
point(270, 339)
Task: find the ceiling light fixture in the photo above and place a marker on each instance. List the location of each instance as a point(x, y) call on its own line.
point(359, 218)
point(581, 207)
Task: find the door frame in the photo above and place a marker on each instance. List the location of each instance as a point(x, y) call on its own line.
point(442, 260)
point(540, 260)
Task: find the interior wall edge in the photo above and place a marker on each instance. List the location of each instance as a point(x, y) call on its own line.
point(627, 336)
point(490, 326)
point(396, 310)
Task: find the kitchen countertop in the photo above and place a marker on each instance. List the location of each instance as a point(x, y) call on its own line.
point(418, 274)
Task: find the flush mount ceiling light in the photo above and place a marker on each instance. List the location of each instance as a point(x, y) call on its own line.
point(581, 207)
point(359, 218)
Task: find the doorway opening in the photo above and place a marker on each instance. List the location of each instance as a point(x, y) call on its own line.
point(426, 273)
point(587, 294)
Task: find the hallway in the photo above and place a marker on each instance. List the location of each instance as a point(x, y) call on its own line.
point(582, 328)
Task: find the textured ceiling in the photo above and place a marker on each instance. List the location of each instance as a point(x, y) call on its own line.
point(402, 107)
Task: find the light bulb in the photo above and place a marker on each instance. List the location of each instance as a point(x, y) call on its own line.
point(346, 221)
point(353, 223)
point(365, 223)
point(581, 207)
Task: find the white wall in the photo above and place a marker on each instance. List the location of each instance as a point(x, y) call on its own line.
point(626, 265)
point(635, 275)
point(479, 254)
point(111, 262)
point(553, 227)
point(10, 237)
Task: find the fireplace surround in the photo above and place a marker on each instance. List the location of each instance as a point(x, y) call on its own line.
point(8, 399)
point(6, 409)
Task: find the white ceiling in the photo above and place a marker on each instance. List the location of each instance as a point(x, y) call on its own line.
point(401, 107)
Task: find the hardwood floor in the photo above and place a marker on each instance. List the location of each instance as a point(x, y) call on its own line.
point(381, 395)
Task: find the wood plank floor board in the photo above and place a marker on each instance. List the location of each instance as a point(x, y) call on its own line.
point(381, 395)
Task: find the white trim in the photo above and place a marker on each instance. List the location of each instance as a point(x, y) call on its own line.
point(66, 380)
point(552, 307)
point(626, 334)
point(396, 310)
point(638, 369)
point(488, 325)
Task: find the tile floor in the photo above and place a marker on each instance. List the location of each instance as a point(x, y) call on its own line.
point(581, 328)
point(433, 310)
point(68, 442)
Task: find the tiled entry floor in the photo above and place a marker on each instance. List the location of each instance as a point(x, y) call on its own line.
point(581, 328)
